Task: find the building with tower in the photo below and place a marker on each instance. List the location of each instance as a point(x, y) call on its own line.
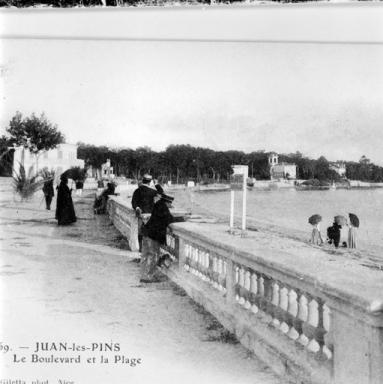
point(281, 170)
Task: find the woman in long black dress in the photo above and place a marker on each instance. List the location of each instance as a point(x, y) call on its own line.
point(64, 209)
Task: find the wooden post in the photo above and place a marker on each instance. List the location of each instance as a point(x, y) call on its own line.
point(231, 211)
point(245, 174)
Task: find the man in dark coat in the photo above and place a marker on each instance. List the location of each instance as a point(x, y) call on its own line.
point(143, 196)
point(64, 209)
point(143, 202)
point(48, 193)
point(154, 235)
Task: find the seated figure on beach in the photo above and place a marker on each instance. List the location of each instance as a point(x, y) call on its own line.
point(333, 234)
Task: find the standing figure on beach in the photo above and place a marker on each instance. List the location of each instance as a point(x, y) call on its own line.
point(65, 214)
point(154, 235)
point(143, 202)
point(48, 193)
point(316, 237)
point(352, 230)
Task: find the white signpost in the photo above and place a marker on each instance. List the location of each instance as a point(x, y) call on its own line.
point(240, 174)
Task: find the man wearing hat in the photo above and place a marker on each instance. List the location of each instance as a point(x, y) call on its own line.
point(154, 235)
point(143, 202)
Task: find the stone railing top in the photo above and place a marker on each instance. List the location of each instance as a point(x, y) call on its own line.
point(122, 200)
point(338, 279)
point(126, 203)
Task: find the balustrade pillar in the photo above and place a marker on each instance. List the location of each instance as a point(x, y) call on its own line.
point(183, 249)
point(230, 282)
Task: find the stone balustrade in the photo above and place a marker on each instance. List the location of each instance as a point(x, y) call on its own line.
point(124, 219)
point(310, 316)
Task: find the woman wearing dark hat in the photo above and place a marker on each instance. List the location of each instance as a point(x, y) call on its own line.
point(154, 235)
point(64, 209)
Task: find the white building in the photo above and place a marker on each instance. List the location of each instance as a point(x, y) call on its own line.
point(107, 171)
point(59, 159)
point(339, 167)
point(281, 170)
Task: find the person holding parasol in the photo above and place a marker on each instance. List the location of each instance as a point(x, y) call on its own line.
point(352, 230)
point(316, 237)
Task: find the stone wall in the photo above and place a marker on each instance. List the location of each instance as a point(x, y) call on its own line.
point(311, 317)
point(124, 219)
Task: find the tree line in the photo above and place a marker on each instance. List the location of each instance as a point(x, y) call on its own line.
point(180, 163)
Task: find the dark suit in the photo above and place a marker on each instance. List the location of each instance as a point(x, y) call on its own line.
point(143, 198)
point(161, 217)
point(154, 232)
point(48, 193)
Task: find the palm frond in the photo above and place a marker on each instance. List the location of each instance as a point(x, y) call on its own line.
point(26, 186)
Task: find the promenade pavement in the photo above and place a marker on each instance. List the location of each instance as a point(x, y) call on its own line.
point(79, 286)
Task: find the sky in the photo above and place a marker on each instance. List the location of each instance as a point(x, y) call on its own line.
point(157, 78)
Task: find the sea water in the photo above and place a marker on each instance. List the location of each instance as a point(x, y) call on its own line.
point(291, 209)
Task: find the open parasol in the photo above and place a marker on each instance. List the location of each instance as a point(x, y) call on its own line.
point(341, 220)
point(354, 220)
point(315, 219)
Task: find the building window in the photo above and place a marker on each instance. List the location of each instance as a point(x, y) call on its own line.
point(45, 155)
point(60, 154)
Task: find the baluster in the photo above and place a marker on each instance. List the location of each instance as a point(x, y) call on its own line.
point(241, 285)
point(195, 253)
point(292, 311)
point(224, 275)
point(328, 346)
point(187, 260)
point(210, 260)
point(207, 262)
point(247, 288)
point(202, 257)
point(198, 257)
point(275, 301)
point(254, 290)
point(266, 305)
point(320, 331)
point(298, 320)
point(283, 304)
point(203, 264)
point(219, 277)
point(236, 283)
point(311, 323)
point(215, 271)
point(303, 316)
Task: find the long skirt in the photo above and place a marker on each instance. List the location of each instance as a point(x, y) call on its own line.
point(149, 258)
point(316, 237)
point(352, 237)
